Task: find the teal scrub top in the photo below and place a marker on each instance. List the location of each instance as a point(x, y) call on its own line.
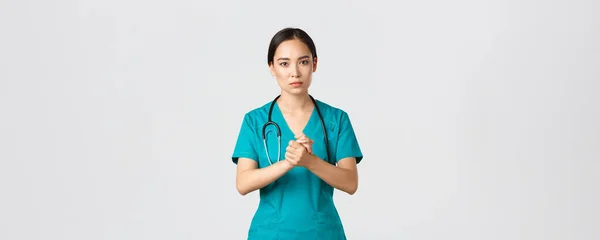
point(298, 205)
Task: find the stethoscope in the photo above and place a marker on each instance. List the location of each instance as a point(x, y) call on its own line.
point(269, 122)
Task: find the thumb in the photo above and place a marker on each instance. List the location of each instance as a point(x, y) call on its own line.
point(308, 148)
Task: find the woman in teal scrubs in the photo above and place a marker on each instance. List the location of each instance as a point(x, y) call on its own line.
point(296, 188)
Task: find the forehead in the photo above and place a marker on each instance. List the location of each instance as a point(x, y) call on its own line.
point(291, 48)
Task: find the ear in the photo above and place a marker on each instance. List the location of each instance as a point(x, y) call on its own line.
point(315, 60)
point(272, 69)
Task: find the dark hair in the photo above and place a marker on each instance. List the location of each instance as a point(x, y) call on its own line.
point(288, 34)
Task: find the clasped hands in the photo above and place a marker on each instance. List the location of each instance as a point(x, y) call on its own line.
point(299, 152)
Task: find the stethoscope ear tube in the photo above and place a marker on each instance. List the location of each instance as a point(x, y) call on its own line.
point(324, 129)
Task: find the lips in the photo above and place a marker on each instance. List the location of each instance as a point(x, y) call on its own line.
point(295, 84)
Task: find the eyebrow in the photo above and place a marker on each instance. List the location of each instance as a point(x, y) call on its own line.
point(283, 58)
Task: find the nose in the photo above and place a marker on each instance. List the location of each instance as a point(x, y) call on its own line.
point(295, 72)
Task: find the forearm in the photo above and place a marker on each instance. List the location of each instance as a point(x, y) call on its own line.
point(343, 179)
point(251, 180)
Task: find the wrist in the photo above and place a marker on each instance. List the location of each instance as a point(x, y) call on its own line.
point(313, 160)
point(288, 165)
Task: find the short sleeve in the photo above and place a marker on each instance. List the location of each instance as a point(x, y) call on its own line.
point(245, 144)
point(347, 145)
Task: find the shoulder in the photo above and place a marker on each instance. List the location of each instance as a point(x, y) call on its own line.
point(331, 113)
point(257, 114)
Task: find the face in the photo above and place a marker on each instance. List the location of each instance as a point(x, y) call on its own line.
point(293, 66)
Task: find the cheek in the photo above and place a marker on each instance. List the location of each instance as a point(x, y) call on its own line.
point(279, 75)
point(279, 72)
point(308, 68)
point(281, 80)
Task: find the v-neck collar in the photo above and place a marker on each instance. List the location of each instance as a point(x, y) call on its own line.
point(285, 128)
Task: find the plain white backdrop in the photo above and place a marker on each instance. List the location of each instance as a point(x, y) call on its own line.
point(477, 119)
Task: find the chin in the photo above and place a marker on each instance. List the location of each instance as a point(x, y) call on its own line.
point(297, 91)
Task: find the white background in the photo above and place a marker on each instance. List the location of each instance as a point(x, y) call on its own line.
point(478, 119)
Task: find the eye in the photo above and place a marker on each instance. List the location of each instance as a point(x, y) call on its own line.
point(283, 64)
point(304, 62)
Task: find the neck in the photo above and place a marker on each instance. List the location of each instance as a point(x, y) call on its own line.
point(294, 103)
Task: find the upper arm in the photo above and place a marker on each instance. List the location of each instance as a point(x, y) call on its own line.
point(245, 164)
point(245, 146)
point(348, 163)
point(347, 146)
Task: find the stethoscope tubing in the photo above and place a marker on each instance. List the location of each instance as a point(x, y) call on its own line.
point(278, 132)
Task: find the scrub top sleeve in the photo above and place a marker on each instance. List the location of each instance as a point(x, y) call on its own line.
point(245, 144)
point(347, 145)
